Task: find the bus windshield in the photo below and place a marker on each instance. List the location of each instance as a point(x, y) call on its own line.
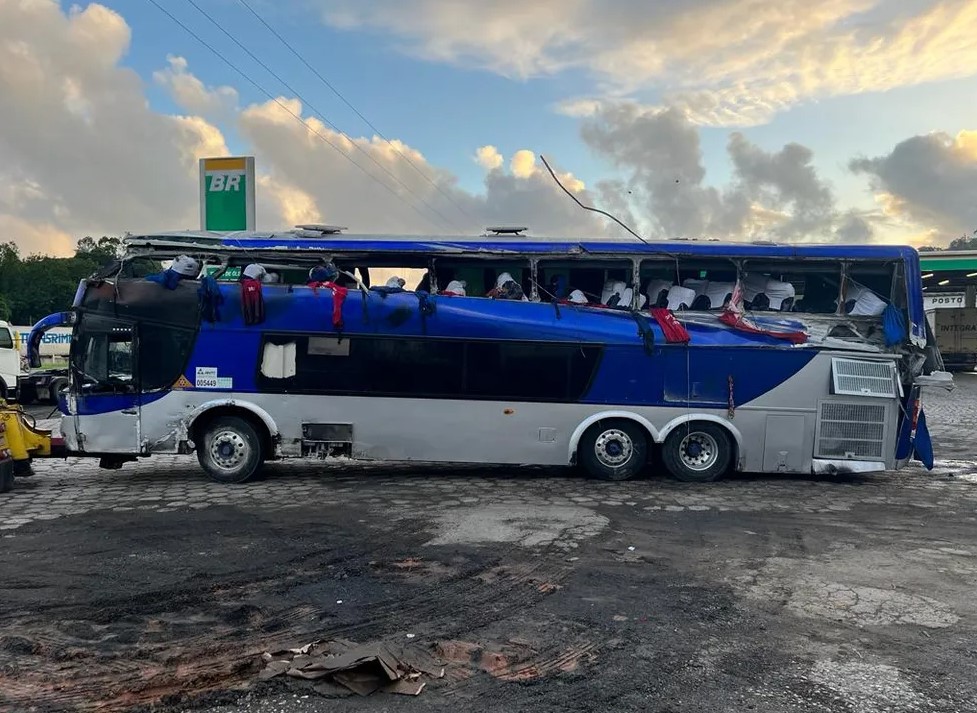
point(102, 359)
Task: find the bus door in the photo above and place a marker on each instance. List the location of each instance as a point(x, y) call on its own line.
point(104, 386)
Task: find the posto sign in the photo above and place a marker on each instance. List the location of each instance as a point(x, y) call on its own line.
point(944, 301)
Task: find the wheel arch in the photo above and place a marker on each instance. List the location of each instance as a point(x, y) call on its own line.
point(606, 416)
point(266, 426)
point(707, 418)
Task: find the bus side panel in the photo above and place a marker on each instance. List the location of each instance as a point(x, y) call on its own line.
point(804, 395)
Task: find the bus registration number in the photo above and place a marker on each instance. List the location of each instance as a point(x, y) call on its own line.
point(206, 378)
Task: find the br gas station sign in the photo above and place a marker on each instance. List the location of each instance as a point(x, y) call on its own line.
point(227, 193)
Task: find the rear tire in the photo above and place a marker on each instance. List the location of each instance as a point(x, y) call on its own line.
point(698, 452)
point(613, 450)
point(230, 449)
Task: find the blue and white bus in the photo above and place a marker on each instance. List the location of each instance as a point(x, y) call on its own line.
point(703, 357)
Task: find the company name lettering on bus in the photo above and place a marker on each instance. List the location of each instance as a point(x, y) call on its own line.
point(958, 327)
point(206, 377)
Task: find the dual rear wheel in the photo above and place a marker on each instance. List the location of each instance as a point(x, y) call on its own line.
point(618, 449)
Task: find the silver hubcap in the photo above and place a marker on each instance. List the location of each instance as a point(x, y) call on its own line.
point(228, 450)
point(699, 451)
point(613, 448)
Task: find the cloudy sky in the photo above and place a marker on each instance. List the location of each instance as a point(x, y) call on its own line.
point(840, 120)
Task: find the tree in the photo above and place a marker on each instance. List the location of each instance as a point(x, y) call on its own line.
point(964, 242)
point(103, 251)
point(38, 285)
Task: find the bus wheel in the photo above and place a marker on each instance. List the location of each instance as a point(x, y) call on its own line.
point(230, 450)
point(613, 450)
point(698, 452)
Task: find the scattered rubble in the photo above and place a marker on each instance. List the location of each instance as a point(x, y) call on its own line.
point(343, 667)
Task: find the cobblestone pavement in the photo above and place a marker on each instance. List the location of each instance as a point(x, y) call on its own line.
point(167, 483)
point(151, 586)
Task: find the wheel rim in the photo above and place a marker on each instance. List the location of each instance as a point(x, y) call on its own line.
point(228, 450)
point(699, 451)
point(613, 448)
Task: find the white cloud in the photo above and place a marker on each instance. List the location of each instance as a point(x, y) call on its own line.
point(312, 179)
point(191, 94)
point(772, 195)
point(725, 62)
point(929, 181)
point(80, 150)
point(488, 157)
point(523, 163)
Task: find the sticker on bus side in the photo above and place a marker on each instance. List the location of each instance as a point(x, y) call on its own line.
point(183, 383)
point(206, 378)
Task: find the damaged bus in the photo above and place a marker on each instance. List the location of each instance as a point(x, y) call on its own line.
point(703, 357)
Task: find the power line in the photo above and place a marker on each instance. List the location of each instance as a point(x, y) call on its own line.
point(318, 113)
point(356, 111)
point(285, 108)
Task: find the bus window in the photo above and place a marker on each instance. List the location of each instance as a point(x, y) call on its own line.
point(877, 278)
point(163, 352)
point(811, 287)
point(690, 283)
point(6, 340)
point(481, 275)
point(599, 280)
point(103, 358)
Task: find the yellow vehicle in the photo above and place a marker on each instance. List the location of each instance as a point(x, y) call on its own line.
point(21, 441)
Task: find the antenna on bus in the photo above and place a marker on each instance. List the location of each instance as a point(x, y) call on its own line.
point(587, 207)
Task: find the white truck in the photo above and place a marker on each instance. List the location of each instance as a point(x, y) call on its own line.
point(10, 362)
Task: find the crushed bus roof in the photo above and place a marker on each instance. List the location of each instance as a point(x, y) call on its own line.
point(428, 244)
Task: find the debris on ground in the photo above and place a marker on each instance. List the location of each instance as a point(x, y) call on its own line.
point(342, 668)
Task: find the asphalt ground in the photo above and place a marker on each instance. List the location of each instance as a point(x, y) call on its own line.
point(151, 588)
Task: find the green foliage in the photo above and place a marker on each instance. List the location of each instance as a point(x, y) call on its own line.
point(964, 242)
point(35, 286)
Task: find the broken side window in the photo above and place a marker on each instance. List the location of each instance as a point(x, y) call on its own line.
point(605, 282)
point(688, 283)
point(481, 277)
point(791, 285)
point(870, 287)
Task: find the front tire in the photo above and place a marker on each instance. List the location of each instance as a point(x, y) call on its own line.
point(698, 452)
point(230, 450)
point(613, 450)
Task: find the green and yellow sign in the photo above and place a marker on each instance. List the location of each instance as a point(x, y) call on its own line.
point(227, 193)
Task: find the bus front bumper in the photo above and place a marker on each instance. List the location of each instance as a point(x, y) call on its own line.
point(824, 466)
